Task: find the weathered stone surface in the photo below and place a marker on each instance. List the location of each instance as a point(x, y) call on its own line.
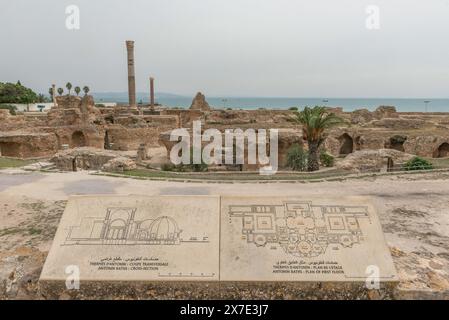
point(385, 112)
point(119, 164)
point(142, 152)
point(137, 238)
point(287, 138)
point(169, 245)
point(398, 123)
point(372, 160)
point(361, 116)
point(415, 227)
point(78, 122)
point(18, 144)
point(200, 103)
point(294, 239)
point(19, 271)
point(85, 158)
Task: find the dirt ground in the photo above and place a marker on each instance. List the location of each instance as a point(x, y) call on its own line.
point(413, 209)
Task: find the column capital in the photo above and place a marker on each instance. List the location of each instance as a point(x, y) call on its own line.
point(129, 44)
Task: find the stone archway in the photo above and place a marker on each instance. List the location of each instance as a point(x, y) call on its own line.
point(10, 149)
point(346, 144)
point(107, 141)
point(358, 143)
point(397, 143)
point(78, 139)
point(442, 151)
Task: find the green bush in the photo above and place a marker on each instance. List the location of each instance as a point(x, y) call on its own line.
point(12, 109)
point(326, 159)
point(201, 167)
point(186, 167)
point(398, 139)
point(418, 163)
point(167, 167)
point(16, 93)
point(297, 158)
point(293, 108)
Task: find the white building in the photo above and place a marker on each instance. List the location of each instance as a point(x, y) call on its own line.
point(46, 106)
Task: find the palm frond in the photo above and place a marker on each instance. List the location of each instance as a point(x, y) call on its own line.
point(315, 120)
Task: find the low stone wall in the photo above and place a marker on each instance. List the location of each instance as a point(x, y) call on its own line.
point(27, 145)
point(82, 158)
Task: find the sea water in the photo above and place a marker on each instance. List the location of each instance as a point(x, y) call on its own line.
point(251, 103)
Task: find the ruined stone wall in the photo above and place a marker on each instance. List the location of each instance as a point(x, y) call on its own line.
point(250, 118)
point(185, 116)
point(423, 143)
point(122, 138)
point(25, 146)
point(77, 122)
point(286, 139)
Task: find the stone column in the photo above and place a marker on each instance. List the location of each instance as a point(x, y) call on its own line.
point(152, 92)
point(53, 87)
point(131, 74)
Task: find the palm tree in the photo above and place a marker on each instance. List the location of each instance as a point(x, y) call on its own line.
point(60, 91)
point(86, 90)
point(69, 87)
point(314, 121)
point(50, 92)
point(77, 90)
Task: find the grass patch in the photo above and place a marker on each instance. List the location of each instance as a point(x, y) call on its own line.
point(34, 231)
point(13, 163)
point(439, 162)
point(8, 231)
point(228, 176)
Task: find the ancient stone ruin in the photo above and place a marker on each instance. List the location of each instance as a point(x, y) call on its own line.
point(76, 122)
point(200, 103)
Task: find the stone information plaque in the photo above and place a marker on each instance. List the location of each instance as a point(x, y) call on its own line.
point(190, 241)
point(129, 238)
point(302, 239)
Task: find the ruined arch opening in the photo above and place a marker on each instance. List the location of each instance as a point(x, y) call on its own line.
point(358, 143)
point(442, 151)
point(78, 139)
point(346, 144)
point(58, 141)
point(397, 143)
point(10, 149)
point(107, 141)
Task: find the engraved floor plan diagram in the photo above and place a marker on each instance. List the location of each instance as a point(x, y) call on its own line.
point(301, 228)
point(120, 226)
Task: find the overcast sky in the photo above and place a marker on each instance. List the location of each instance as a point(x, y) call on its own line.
point(290, 48)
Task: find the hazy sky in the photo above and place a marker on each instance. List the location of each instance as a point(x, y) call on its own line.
point(289, 48)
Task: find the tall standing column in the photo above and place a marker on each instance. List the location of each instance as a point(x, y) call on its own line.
point(53, 96)
point(131, 74)
point(152, 93)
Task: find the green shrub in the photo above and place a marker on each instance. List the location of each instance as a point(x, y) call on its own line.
point(198, 167)
point(297, 158)
point(398, 139)
point(418, 163)
point(293, 108)
point(326, 159)
point(16, 93)
point(167, 167)
point(201, 167)
point(186, 167)
point(12, 109)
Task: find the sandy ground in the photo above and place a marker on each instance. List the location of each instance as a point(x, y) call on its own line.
point(413, 209)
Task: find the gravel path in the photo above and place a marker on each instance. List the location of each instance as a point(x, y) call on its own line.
point(413, 209)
